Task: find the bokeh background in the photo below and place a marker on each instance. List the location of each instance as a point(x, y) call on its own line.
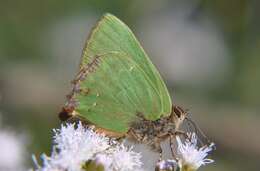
point(208, 52)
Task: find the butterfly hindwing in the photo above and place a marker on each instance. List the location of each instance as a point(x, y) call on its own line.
point(119, 80)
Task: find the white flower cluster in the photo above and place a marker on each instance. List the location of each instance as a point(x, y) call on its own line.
point(13, 149)
point(75, 146)
point(190, 155)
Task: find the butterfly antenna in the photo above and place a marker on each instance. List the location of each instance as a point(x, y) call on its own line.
point(198, 130)
point(192, 126)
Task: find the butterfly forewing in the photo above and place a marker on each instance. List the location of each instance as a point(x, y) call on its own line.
point(119, 81)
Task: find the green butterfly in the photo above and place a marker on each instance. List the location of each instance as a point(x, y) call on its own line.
point(119, 90)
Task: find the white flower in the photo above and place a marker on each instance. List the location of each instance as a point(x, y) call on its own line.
point(124, 159)
point(120, 158)
point(13, 150)
point(75, 146)
point(190, 155)
point(105, 160)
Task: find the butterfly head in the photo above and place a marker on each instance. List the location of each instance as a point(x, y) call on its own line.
point(178, 115)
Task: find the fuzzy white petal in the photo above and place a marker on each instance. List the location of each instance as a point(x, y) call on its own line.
point(105, 160)
point(74, 146)
point(191, 155)
point(124, 159)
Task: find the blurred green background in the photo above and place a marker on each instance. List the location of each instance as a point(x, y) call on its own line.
point(208, 52)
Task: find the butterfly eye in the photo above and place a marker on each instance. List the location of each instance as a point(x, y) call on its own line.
point(178, 111)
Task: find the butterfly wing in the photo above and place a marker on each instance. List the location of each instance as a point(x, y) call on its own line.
point(117, 80)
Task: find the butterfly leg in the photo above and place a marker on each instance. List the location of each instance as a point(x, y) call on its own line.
point(133, 134)
point(157, 147)
point(155, 144)
point(172, 147)
point(181, 133)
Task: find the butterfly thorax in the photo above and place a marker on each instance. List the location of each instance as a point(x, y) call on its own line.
point(153, 132)
point(147, 131)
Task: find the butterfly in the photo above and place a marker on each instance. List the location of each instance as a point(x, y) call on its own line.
point(119, 90)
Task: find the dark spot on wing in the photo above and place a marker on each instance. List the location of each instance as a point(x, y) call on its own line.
point(65, 114)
